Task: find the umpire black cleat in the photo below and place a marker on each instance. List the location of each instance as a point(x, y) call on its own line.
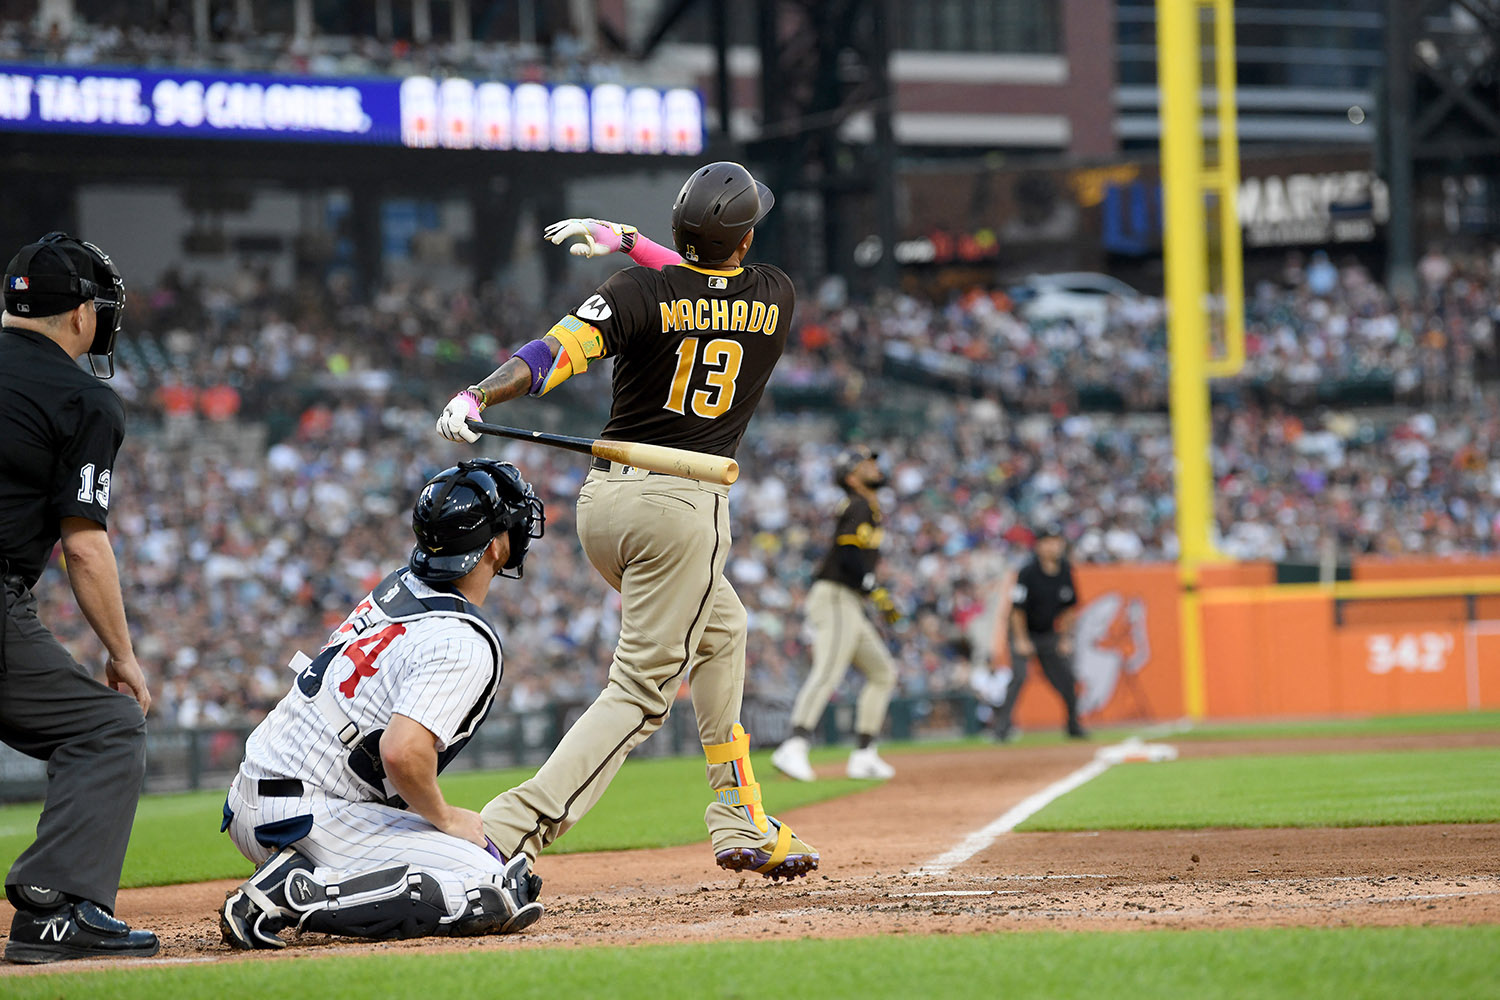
point(78, 929)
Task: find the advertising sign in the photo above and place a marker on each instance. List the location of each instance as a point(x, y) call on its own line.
point(417, 112)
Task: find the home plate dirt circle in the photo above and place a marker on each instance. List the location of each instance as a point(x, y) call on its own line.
point(871, 879)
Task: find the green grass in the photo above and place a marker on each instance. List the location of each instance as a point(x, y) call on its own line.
point(1345, 789)
point(651, 803)
point(1262, 964)
point(1379, 725)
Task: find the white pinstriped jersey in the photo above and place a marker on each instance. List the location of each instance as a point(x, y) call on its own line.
point(436, 669)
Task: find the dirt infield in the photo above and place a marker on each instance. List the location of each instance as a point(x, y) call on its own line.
point(874, 843)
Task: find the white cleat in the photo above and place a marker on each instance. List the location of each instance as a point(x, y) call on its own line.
point(791, 759)
point(866, 764)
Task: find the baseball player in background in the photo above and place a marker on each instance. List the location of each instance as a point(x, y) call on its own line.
point(337, 800)
point(842, 632)
point(694, 336)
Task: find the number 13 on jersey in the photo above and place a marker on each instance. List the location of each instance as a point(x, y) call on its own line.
point(722, 359)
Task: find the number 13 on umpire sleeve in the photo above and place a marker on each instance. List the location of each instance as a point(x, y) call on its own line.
point(722, 358)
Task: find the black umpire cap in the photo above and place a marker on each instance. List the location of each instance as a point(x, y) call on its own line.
point(717, 206)
point(59, 273)
point(1049, 529)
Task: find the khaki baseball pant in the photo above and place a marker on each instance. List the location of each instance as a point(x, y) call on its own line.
point(842, 635)
point(662, 542)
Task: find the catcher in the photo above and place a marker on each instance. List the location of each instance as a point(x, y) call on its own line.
point(337, 800)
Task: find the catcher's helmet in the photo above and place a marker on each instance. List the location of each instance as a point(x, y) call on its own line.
point(848, 460)
point(717, 206)
point(462, 508)
point(58, 273)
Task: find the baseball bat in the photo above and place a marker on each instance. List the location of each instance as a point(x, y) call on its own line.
point(651, 457)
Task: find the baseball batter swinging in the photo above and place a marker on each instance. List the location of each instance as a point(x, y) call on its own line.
point(694, 336)
point(337, 800)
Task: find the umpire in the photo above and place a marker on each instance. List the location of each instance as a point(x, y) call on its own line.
point(1043, 605)
point(60, 429)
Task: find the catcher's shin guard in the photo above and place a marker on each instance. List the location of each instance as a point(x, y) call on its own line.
point(501, 904)
point(781, 854)
point(391, 903)
point(255, 911)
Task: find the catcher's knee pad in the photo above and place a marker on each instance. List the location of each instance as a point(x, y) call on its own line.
point(500, 904)
point(391, 903)
point(746, 794)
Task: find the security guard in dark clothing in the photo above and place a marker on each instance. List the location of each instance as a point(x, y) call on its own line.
point(1043, 605)
point(60, 429)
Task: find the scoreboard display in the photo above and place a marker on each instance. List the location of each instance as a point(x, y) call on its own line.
point(415, 111)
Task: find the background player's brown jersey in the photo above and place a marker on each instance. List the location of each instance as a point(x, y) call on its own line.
point(856, 546)
point(693, 350)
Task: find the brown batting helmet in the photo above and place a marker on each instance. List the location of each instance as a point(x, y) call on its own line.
point(717, 206)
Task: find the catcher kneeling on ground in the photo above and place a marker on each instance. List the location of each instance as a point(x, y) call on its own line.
point(337, 801)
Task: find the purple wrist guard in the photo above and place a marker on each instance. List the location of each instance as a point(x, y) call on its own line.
point(538, 357)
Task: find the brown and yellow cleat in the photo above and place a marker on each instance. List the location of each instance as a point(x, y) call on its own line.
point(788, 858)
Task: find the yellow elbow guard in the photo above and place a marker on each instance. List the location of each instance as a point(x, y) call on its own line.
point(579, 343)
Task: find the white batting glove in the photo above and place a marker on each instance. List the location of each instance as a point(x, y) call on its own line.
point(616, 236)
point(460, 408)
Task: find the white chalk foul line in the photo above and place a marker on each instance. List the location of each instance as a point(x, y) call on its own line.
point(1104, 758)
point(1012, 818)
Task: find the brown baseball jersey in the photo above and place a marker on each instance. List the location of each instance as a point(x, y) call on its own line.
point(693, 350)
point(856, 546)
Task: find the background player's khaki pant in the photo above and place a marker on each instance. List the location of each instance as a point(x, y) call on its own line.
point(662, 542)
point(843, 634)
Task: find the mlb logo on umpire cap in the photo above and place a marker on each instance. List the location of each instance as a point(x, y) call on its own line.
point(18, 283)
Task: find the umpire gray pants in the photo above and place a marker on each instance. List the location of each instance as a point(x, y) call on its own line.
point(94, 742)
point(1058, 670)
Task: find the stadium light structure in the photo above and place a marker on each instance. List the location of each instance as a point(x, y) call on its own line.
point(1189, 183)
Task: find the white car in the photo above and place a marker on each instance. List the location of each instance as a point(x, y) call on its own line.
point(1079, 296)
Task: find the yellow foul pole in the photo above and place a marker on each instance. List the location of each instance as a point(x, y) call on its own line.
point(1186, 256)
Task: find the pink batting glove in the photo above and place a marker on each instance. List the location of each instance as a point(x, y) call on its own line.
point(453, 424)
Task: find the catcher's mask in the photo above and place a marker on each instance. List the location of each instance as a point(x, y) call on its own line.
point(849, 460)
point(717, 206)
point(58, 273)
point(462, 508)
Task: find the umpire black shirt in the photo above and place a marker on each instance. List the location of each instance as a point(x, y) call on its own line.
point(60, 429)
point(1042, 597)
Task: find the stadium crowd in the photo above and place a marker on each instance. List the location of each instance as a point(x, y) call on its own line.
point(280, 436)
point(1322, 325)
point(167, 36)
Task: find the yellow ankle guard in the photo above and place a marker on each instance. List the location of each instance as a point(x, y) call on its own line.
point(747, 793)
